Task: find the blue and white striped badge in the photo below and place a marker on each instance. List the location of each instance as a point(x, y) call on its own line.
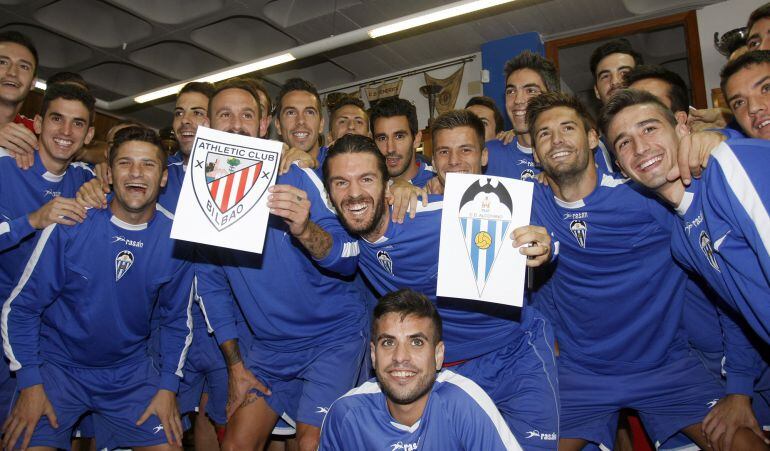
point(483, 238)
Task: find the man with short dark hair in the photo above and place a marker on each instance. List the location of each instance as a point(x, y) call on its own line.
point(711, 210)
point(664, 84)
point(486, 109)
point(617, 321)
point(18, 68)
point(395, 130)
point(433, 408)
point(609, 63)
point(744, 83)
point(758, 29)
point(485, 342)
point(78, 320)
point(348, 116)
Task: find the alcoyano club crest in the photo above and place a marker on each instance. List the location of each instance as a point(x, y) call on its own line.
point(229, 181)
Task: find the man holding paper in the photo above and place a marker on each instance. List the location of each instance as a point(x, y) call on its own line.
point(484, 342)
point(304, 342)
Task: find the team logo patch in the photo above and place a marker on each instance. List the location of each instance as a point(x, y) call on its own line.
point(228, 181)
point(527, 174)
point(708, 251)
point(485, 214)
point(385, 261)
point(123, 263)
point(579, 231)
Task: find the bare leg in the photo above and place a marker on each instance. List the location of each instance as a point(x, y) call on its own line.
point(250, 426)
point(572, 444)
point(308, 437)
point(205, 435)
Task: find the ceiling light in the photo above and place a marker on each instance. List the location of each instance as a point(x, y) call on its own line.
point(40, 84)
point(457, 9)
point(217, 76)
point(248, 68)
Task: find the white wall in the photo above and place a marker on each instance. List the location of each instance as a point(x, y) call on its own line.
point(720, 17)
point(410, 89)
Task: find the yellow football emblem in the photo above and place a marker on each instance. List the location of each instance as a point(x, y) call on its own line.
point(483, 240)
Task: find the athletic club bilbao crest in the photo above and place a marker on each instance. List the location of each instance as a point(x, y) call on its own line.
point(708, 250)
point(228, 180)
point(123, 263)
point(485, 214)
point(579, 231)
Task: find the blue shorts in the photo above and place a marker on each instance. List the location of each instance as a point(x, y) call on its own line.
point(304, 383)
point(677, 394)
point(204, 371)
point(521, 379)
point(116, 396)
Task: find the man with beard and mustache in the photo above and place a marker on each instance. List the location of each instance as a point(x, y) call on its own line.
point(609, 64)
point(616, 295)
point(394, 128)
point(484, 342)
point(411, 388)
point(304, 340)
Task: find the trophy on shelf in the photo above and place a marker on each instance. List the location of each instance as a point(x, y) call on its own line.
point(431, 91)
point(730, 41)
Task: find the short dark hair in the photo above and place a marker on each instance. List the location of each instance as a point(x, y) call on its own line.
point(615, 46)
point(67, 77)
point(234, 83)
point(22, 40)
point(538, 63)
point(260, 88)
point(345, 101)
point(407, 302)
point(747, 59)
point(763, 12)
point(351, 143)
point(488, 103)
point(69, 92)
point(625, 98)
point(458, 118)
point(677, 89)
point(137, 133)
point(392, 107)
point(546, 101)
point(296, 84)
point(200, 87)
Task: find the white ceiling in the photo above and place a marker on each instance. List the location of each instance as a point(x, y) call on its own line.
point(123, 47)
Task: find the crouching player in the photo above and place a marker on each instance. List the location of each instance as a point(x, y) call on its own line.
point(77, 323)
point(432, 409)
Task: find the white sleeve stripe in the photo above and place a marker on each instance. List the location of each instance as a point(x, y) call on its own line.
point(350, 249)
point(31, 263)
point(189, 338)
point(744, 190)
point(4, 228)
point(487, 405)
point(319, 186)
point(165, 212)
point(432, 206)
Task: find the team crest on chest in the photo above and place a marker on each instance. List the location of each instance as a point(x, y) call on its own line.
point(229, 180)
point(123, 263)
point(385, 261)
point(708, 250)
point(579, 231)
point(527, 174)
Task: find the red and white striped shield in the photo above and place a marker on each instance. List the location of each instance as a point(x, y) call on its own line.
point(227, 189)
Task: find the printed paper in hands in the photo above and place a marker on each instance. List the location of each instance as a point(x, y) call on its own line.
point(224, 193)
point(477, 259)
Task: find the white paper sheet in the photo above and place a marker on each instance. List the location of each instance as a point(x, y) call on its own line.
point(477, 259)
point(224, 193)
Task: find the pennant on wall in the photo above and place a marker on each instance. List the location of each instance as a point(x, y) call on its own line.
point(446, 98)
point(392, 89)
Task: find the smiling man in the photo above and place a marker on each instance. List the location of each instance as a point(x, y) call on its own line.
point(18, 67)
point(720, 235)
point(746, 87)
point(485, 343)
point(432, 409)
point(78, 321)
